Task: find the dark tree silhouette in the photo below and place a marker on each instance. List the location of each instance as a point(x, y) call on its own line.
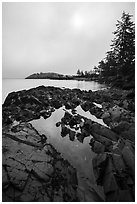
point(78, 72)
point(123, 45)
point(119, 64)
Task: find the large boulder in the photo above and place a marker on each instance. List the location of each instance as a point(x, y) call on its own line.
point(104, 131)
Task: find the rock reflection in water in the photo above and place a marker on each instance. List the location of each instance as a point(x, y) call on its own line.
point(64, 132)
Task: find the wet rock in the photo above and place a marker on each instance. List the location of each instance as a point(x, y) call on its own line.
point(97, 147)
point(76, 101)
point(125, 196)
point(99, 163)
point(129, 159)
point(106, 132)
point(120, 127)
point(16, 173)
point(129, 134)
point(5, 180)
point(86, 106)
point(106, 118)
point(73, 111)
point(32, 173)
point(56, 104)
point(116, 112)
point(105, 141)
point(96, 111)
point(11, 97)
point(110, 184)
point(68, 105)
point(118, 163)
point(34, 191)
point(125, 104)
point(42, 170)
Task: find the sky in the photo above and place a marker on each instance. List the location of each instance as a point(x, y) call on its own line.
point(57, 37)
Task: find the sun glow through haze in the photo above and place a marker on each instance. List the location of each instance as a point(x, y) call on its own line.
point(78, 21)
point(56, 37)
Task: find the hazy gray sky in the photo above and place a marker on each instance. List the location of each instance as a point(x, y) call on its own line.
point(57, 37)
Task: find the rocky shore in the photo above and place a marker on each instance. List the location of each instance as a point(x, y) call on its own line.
point(34, 171)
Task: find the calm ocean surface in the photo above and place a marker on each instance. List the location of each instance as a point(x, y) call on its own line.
point(9, 85)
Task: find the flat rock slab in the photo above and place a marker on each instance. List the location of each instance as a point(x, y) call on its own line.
point(30, 171)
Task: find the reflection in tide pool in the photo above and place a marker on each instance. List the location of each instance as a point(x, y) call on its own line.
point(78, 154)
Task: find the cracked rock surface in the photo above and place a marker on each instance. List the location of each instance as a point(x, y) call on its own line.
point(33, 171)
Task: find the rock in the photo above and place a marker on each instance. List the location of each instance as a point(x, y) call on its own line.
point(110, 183)
point(105, 115)
point(56, 104)
point(125, 104)
point(42, 170)
point(74, 111)
point(125, 196)
point(99, 163)
point(86, 106)
point(34, 191)
point(97, 147)
point(129, 134)
point(120, 127)
point(68, 106)
point(11, 96)
point(94, 110)
point(129, 159)
point(76, 101)
point(32, 171)
point(17, 176)
point(115, 113)
point(105, 141)
point(112, 196)
point(106, 118)
point(118, 163)
point(109, 166)
point(5, 180)
point(106, 132)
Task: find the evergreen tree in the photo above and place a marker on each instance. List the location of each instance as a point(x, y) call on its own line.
point(82, 73)
point(78, 72)
point(123, 46)
point(119, 64)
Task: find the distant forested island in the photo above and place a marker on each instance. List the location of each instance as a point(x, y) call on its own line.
point(52, 75)
point(49, 75)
